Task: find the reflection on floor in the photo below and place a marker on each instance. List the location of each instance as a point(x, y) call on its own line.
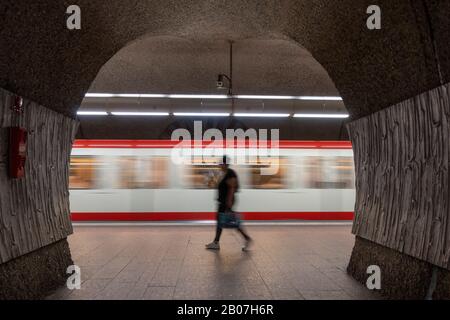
point(170, 262)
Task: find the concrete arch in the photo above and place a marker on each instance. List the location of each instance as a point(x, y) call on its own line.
point(273, 65)
point(401, 55)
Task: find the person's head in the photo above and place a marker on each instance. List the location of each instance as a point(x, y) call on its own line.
point(225, 163)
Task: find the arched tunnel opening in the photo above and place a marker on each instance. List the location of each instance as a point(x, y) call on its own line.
point(393, 82)
point(130, 176)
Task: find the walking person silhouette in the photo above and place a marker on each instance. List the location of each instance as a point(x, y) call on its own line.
point(227, 188)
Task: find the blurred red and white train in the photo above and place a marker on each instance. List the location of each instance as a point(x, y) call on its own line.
point(137, 180)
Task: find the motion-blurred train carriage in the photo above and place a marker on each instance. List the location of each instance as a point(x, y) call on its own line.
point(125, 180)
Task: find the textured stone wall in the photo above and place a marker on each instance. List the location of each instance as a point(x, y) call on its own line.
point(410, 281)
point(36, 274)
point(34, 211)
point(402, 176)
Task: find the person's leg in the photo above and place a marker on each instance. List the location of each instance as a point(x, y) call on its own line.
point(247, 238)
point(218, 233)
point(244, 234)
point(215, 243)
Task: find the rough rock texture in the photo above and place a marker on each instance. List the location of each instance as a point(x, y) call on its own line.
point(443, 285)
point(371, 69)
point(402, 171)
point(34, 210)
point(36, 274)
point(175, 64)
point(402, 276)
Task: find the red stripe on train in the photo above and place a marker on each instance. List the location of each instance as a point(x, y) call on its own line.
point(186, 216)
point(165, 144)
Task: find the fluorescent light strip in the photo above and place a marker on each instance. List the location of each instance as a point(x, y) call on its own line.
point(263, 115)
point(153, 95)
point(195, 114)
point(264, 97)
point(320, 98)
point(197, 96)
point(99, 95)
point(215, 114)
point(136, 95)
point(140, 113)
point(209, 96)
point(92, 113)
point(125, 95)
point(320, 115)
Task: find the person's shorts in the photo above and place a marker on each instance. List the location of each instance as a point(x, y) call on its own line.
point(228, 219)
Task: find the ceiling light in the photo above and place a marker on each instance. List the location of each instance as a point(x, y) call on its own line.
point(99, 95)
point(320, 115)
point(264, 97)
point(140, 113)
point(153, 95)
point(268, 115)
point(197, 96)
point(127, 95)
point(320, 98)
point(92, 113)
point(210, 96)
point(200, 114)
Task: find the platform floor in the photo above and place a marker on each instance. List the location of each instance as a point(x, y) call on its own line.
point(170, 262)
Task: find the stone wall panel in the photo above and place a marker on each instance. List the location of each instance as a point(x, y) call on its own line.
point(34, 211)
point(402, 176)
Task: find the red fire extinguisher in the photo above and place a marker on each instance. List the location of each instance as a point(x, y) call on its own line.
point(17, 152)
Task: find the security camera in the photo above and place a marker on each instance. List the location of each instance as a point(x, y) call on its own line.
point(219, 85)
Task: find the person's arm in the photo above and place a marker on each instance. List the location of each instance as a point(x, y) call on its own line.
point(232, 186)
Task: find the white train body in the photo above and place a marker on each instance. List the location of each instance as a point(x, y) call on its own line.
point(116, 180)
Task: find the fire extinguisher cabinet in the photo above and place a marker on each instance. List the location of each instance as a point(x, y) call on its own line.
point(17, 152)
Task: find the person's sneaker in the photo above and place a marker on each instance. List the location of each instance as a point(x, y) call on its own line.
point(247, 244)
point(213, 246)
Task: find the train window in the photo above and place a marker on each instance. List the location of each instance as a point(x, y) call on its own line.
point(152, 173)
point(142, 173)
point(344, 173)
point(329, 172)
point(126, 167)
point(270, 181)
point(83, 172)
point(203, 173)
point(312, 172)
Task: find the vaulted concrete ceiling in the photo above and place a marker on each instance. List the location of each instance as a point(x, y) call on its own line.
point(167, 64)
point(42, 60)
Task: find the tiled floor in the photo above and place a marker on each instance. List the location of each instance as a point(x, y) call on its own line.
point(170, 262)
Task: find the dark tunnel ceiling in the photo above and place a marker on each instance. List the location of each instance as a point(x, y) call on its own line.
point(43, 61)
point(179, 65)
